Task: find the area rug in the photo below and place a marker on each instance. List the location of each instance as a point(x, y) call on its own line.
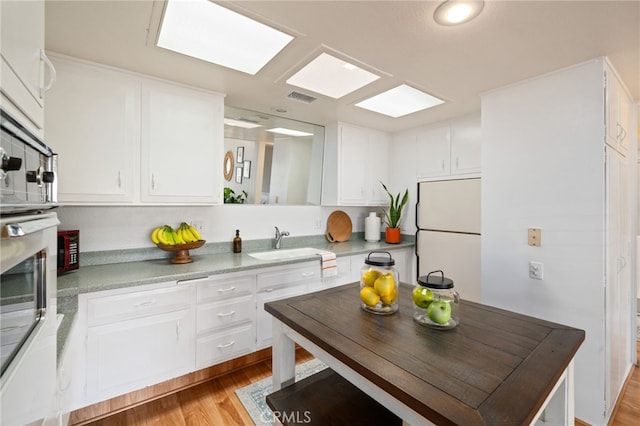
point(253, 396)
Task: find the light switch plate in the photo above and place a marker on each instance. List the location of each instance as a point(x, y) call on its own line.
point(535, 270)
point(535, 237)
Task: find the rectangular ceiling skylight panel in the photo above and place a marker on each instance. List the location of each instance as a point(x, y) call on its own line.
point(399, 101)
point(207, 31)
point(331, 76)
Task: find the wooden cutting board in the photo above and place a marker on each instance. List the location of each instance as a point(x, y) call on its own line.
point(339, 227)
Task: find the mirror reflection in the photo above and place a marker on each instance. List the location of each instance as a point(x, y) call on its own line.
point(276, 160)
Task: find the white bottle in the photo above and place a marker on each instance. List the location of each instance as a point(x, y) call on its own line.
point(372, 227)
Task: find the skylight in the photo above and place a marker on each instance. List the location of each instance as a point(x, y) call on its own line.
point(331, 76)
point(207, 31)
point(399, 101)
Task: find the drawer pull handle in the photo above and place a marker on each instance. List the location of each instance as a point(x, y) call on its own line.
point(308, 274)
point(145, 303)
point(226, 290)
point(226, 314)
point(268, 290)
point(226, 345)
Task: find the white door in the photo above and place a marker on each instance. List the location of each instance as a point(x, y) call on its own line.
point(450, 205)
point(457, 255)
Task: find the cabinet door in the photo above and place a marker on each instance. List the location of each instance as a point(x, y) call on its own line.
point(617, 109)
point(264, 320)
point(129, 355)
point(353, 158)
point(182, 144)
point(93, 123)
point(434, 153)
point(619, 274)
point(465, 146)
point(377, 168)
point(22, 35)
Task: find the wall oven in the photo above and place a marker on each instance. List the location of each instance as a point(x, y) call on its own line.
point(28, 267)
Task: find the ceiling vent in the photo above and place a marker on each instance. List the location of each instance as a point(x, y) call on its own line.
point(301, 97)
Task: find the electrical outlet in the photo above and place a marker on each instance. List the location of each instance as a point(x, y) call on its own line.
point(317, 224)
point(199, 226)
point(536, 270)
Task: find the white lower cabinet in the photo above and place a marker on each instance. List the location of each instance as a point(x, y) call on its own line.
point(133, 337)
point(154, 343)
point(225, 318)
point(279, 284)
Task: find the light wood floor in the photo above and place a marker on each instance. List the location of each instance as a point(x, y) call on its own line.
point(215, 403)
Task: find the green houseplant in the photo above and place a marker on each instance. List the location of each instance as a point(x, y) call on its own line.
point(393, 215)
point(230, 196)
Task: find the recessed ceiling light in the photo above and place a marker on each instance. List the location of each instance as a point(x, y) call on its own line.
point(331, 76)
point(454, 12)
point(288, 132)
point(241, 123)
point(207, 31)
point(399, 101)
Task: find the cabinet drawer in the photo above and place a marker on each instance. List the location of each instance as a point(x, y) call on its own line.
point(214, 289)
point(306, 273)
point(126, 306)
point(224, 345)
point(224, 314)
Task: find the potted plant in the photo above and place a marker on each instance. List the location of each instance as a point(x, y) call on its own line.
point(392, 217)
point(230, 196)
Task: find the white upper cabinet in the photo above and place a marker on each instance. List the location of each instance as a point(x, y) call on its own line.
point(93, 123)
point(433, 149)
point(449, 149)
point(23, 65)
point(465, 145)
point(356, 160)
point(123, 138)
point(182, 144)
point(617, 113)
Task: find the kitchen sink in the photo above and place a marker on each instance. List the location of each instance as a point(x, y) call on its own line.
point(285, 254)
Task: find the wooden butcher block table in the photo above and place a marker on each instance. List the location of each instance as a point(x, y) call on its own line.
point(496, 368)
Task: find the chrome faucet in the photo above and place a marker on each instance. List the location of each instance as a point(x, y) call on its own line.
point(279, 235)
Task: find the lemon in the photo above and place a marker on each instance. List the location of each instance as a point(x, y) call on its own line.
point(384, 285)
point(390, 298)
point(369, 296)
point(370, 276)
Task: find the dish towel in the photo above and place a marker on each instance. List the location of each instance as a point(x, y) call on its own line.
point(328, 264)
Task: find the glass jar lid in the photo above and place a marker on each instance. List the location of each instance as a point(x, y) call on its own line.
point(380, 259)
point(434, 281)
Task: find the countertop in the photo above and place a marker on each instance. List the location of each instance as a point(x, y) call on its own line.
point(101, 277)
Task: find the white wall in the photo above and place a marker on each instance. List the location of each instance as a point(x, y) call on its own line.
point(543, 167)
point(113, 228)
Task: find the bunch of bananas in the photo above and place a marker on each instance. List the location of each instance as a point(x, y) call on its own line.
point(168, 236)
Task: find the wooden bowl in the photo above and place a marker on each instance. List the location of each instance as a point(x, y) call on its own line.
point(182, 250)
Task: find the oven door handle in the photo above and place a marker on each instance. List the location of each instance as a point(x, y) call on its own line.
point(21, 229)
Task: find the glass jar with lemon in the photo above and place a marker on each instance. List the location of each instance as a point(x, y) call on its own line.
point(379, 282)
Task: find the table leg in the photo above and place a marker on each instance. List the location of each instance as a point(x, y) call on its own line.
point(559, 408)
point(283, 357)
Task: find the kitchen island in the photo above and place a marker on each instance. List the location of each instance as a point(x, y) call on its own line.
point(496, 367)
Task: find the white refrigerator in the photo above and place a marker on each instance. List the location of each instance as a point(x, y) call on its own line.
point(448, 233)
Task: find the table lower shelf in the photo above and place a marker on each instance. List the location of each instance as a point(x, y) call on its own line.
point(325, 398)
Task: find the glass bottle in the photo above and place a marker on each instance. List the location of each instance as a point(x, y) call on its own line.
point(237, 242)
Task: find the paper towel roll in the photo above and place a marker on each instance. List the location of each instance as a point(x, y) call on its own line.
point(372, 227)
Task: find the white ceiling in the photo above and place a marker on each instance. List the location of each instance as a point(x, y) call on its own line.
point(510, 41)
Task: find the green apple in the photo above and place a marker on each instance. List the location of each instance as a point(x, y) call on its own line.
point(439, 311)
point(422, 297)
